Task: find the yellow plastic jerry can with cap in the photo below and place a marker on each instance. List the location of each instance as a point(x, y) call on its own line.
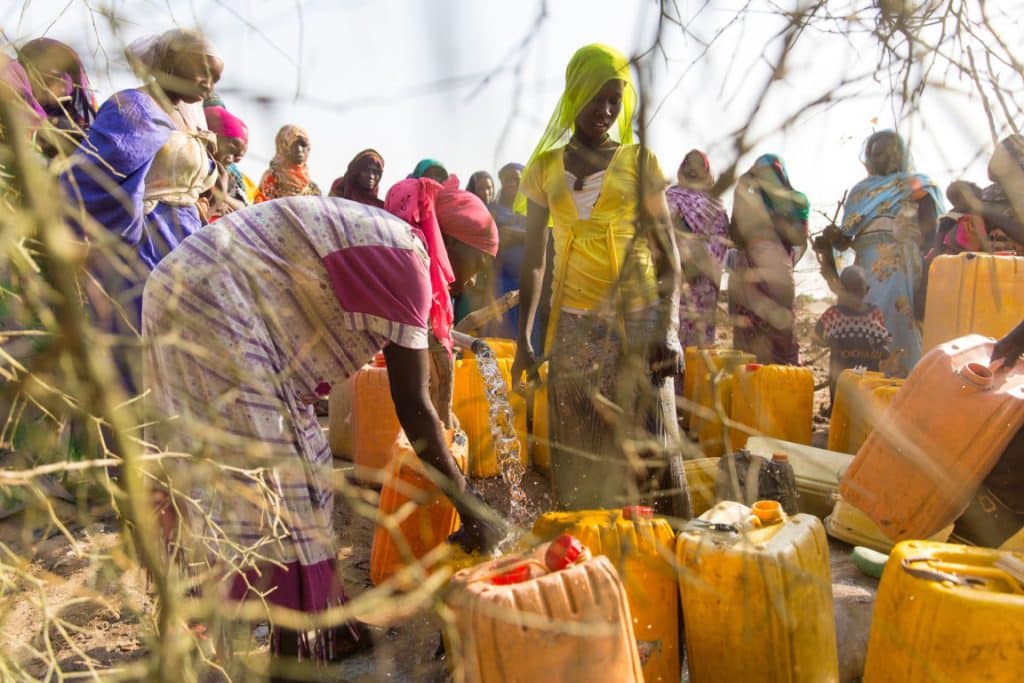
point(943, 434)
point(850, 411)
point(469, 402)
point(757, 596)
point(502, 348)
point(947, 614)
point(707, 388)
point(375, 427)
point(772, 400)
point(422, 516)
point(972, 293)
point(339, 419)
point(701, 476)
point(640, 546)
point(878, 401)
point(553, 614)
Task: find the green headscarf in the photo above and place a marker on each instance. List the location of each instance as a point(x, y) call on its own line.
point(422, 167)
point(589, 69)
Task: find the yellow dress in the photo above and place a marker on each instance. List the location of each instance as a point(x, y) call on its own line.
point(597, 320)
point(590, 252)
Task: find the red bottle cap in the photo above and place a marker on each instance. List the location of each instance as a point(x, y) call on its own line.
point(780, 457)
point(514, 575)
point(750, 367)
point(378, 360)
point(636, 512)
point(563, 552)
point(323, 389)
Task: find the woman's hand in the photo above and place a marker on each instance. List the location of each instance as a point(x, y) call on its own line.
point(524, 362)
point(1010, 348)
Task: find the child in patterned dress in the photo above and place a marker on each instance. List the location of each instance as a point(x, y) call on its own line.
point(853, 329)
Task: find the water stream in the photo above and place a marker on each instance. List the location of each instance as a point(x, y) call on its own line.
point(507, 447)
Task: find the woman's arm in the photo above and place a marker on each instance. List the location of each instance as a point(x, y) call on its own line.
point(927, 220)
point(409, 377)
point(662, 243)
point(531, 277)
point(1007, 221)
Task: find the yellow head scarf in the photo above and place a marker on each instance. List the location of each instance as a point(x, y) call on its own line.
point(589, 69)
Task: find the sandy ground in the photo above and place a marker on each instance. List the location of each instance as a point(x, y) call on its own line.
point(103, 606)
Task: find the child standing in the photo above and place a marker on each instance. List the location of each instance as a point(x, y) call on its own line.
point(853, 329)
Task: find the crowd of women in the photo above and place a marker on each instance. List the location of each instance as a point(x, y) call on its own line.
point(252, 298)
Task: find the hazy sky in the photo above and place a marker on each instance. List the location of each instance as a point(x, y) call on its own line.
point(408, 78)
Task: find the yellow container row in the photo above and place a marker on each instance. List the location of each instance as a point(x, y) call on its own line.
point(756, 601)
point(755, 598)
point(767, 400)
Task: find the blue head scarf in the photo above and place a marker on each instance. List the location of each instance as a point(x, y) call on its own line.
point(883, 195)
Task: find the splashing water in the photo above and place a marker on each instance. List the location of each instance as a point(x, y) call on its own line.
point(507, 447)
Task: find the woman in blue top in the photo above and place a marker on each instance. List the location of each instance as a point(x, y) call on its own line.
point(889, 216)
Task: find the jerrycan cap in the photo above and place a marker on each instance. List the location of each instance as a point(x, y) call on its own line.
point(637, 512)
point(511, 576)
point(378, 360)
point(563, 552)
point(780, 457)
point(751, 367)
point(767, 511)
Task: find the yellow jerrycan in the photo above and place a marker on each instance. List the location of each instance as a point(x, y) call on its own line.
point(425, 517)
point(757, 596)
point(469, 401)
point(878, 401)
point(972, 293)
point(554, 614)
point(943, 434)
point(701, 476)
point(707, 383)
point(948, 614)
point(502, 348)
point(640, 546)
point(851, 401)
point(339, 419)
point(375, 427)
point(772, 400)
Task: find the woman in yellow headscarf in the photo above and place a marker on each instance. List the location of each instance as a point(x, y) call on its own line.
point(612, 335)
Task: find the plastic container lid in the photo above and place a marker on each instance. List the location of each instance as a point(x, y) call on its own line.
point(514, 575)
point(780, 457)
point(637, 512)
point(563, 552)
point(767, 511)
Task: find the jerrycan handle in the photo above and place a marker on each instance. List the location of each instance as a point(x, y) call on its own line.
point(931, 574)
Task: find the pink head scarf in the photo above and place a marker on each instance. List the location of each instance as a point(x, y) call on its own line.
point(465, 217)
point(414, 201)
point(222, 122)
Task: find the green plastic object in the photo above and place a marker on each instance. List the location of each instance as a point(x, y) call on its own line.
point(869, 561)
